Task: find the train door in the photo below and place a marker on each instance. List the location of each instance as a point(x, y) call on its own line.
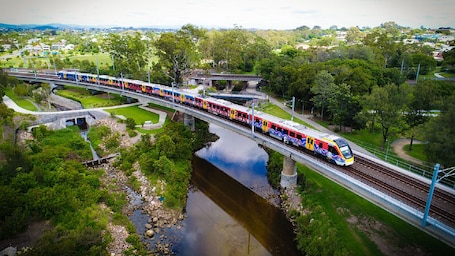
point(265, 125)
point(309, 143)
point(232, 114)
point(331, 152)
point(204, 104)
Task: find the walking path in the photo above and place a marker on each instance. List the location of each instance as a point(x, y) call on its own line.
point(162, 115)
point(398, 146)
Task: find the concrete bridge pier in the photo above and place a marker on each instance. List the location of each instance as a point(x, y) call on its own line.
point(289, 173)
point(188, 120)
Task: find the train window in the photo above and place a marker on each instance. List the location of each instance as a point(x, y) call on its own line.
point(333, 150)
point(285, 131)
point(299, 136)
point(273, 127)
point(309, 141)
point(292, 134)
point(320, 144)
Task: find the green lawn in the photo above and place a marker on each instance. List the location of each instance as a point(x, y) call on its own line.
point(101, 58)
point(417, 151)
point(88, 100)
point(139, 115)
point(21, 102)
point(274, 110)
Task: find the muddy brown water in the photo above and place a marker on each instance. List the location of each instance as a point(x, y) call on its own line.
point(231, 209)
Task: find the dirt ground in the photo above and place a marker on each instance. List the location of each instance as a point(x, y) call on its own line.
point(28, 238)
point(398, 145)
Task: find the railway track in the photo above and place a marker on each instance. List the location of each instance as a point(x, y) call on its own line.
point(404, 188)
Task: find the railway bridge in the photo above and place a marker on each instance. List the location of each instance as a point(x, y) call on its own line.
point(209, 78)
point(289, 173)
point(291, 156)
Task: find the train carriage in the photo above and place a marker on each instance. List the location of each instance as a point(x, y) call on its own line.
point(189, 99)
point(200, 102)
point(104, 80)
point(331, 147)
point(219, 107)
point(147, 89)
point(133, 85)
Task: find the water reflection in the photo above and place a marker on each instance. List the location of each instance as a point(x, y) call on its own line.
point(226, 213)
point(240, 157)
point(246, 224)
point(209, 230)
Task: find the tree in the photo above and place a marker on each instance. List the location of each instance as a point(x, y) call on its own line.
point(353, 35)
point(342, 105)
point(422, 98)
point(440, 135)
point(165, 146)
point(323, 89)
point(228, 49)
point(177, 51)
point(128, 53)
point(385, 105)
point(449, 60)
point(255, 52)
point(130, 123)
point(427, 63)
point(163, 166)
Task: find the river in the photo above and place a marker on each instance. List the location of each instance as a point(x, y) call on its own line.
point(231, 209)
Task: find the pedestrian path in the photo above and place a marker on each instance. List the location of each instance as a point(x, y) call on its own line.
point(12, 105)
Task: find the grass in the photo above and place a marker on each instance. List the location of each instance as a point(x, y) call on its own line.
point(106, 100)
point(21, 102)
point(101, 58)
point(367, 138)
point(139, 115)
point(274, 110)
point(339, 204)
point(88, 100)
point(417, 151)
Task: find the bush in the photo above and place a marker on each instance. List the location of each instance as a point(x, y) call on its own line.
point(130, 123)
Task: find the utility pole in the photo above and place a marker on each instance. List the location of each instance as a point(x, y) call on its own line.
point(417, 75)
point(293, 103)
point(97, 72)
point(252, 120)
point(448, 172)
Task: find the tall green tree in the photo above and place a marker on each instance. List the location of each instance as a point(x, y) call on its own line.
point(323, 89)
point(229, 48)
point(342, 105)
point(421, 102)
point(385, 106)
point(128, 53)
point(440, 135)
point(177, 52)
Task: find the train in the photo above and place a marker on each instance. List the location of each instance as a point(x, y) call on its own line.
point(331, 147)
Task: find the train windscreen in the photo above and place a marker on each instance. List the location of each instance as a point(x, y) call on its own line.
point(344, 148)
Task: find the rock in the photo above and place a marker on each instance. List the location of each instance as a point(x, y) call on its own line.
point(148, 226)
point(149, 233)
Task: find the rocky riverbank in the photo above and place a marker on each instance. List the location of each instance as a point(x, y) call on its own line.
point(150, 197)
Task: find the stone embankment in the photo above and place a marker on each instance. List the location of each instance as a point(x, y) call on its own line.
point(159, 216)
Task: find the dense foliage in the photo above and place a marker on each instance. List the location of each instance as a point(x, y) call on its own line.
point(44, 180)
point(168, 159)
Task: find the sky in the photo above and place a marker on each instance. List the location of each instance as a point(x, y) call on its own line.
point(260, 14)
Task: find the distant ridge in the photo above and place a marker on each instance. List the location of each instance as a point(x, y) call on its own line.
point(56, 26)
